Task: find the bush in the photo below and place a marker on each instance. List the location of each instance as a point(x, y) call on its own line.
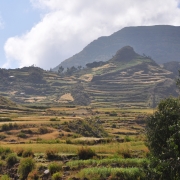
point(113, 126)
point(11, 159)
point(28, 153)
point(33, 175)
point(5, 119)
point(2, 136)
point(25, 167)
point(86, 153)
point(19, 151)
point(5, 177)
point(51, 154)
point(22, 135)
point(43, 130)
point(54, 167)
point(4, 152)
point(5, 127)
point(2, 164)
point(113, 113)
point(57, 176)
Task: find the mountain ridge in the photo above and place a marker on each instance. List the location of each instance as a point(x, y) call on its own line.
point(161, 42)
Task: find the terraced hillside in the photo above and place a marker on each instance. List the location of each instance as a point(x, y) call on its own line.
point(129, 81)
point(34, 85)
point(126, 80)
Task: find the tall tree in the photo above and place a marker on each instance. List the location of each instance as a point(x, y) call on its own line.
point(163, 140)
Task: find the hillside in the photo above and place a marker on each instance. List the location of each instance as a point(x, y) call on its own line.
point(161, 42)
point(129, 79)
point(126, 80)
point(172, 66)
point(4, 102)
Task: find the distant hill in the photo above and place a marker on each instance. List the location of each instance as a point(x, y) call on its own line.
point(126, 80)
point(161, 42)
point(4, 102)
point(172, 66)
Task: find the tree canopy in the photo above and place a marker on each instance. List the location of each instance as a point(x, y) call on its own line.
point(163, 140)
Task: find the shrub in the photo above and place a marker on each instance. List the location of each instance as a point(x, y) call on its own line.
point(2, 136)
point(1, 165)
point(51, 153)
point(86, 153)
point(22, 135)
point(28, 131)
point(43, 130)
point(68, 141)
point(113, 126)
point(25, 167)
point(5, 127)
point(127, 139)
point(54, 119)
point(5, 177)
point(4, 152)
point(54, 167)
point(33, 175)
point(57, 176)
point(113, 113)
point(19, 151)
point(11, 159)
point(28, 153)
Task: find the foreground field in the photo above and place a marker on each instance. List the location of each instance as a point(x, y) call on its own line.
point(113, 137)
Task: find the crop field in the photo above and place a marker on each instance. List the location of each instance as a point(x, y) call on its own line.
point(86, 142)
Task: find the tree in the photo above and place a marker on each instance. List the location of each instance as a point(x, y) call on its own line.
point(163, 140)
point(60, 70)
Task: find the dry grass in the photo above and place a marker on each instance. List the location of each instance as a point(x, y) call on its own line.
point(111, 148)
point(66, 97)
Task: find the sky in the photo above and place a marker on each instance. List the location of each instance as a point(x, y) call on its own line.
point(46, 32)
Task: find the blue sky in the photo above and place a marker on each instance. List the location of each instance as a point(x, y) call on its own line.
point(17, 18)
point(46, 32)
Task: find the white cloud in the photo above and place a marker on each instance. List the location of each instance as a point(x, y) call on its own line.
point(67, 26)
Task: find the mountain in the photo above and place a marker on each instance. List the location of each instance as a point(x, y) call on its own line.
point(161, 42)
point(173, 66)
point(126, 80)
point(4, 102)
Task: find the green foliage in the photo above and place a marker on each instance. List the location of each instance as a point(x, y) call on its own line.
point(5, 119)
point(10, 126)
point(57, 176)
point(112, 173)
point(5, 177)
point(2, 136)
point(120, 162)
point(163, 140)
point(28, 153)
point(43, 130)
point(54, 119)
point(4, 152)
point(25, 167)
point(11, 159)
point(22, 135)
point(87, 128)
point(113, 113)
point(54, 167)
point(86, 153)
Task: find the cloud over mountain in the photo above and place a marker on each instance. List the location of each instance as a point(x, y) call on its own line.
point(67, 26)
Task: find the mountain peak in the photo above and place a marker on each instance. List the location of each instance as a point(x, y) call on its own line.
point(126, 54)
